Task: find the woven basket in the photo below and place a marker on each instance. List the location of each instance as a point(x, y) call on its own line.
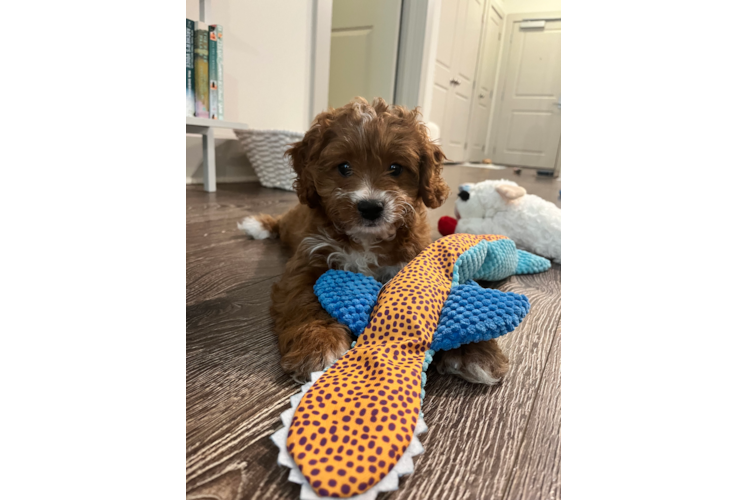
point(265, 149)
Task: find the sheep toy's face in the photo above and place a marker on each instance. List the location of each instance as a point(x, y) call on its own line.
point(468, 203)
point(486, 198)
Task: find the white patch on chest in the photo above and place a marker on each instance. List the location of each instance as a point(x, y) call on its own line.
point(338, 256)
point(321, 246)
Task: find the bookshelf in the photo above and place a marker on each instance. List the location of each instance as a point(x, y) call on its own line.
point(206, 127)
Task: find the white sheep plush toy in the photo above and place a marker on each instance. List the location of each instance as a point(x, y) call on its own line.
point(503, 207)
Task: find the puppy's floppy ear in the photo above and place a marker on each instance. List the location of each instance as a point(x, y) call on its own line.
point(432, 189)
point(302, 155)
point(510, 192)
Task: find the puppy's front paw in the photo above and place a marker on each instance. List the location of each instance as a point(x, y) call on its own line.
point(314, 347)
point(479, 363)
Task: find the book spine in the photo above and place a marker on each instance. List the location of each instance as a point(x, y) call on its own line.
point(202, 77)
point(213, 70)
point(190, 68)
point(219, 63)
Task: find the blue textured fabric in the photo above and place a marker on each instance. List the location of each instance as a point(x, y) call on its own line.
point(348, 297)
point(496, 260)
point(469, 263)
point(426, 362)
point(473, 314)
point(531, 263)
point(470, 314)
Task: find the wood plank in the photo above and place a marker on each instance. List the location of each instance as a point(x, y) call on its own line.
point(246, 191)
point(238, 208)
point(236, 201)
point(213, 271)
point(236, 391)
point(238, 211)
point(538, 469)
point(219, 233)
point(220, 256)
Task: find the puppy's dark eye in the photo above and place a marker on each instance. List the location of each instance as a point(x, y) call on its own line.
point(395, 170)
point(345, 169)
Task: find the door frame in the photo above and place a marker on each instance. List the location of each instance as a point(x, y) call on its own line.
point(503, 67)
point(481, 55)
point(319, 56)
point(416, 55)
point(557, 168)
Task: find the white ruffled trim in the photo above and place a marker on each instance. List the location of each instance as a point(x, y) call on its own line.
point(388, 483)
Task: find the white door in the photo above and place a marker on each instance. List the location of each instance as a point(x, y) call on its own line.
point(363, 50)
point(528, 126)
point(456, 61)
point(483, 99)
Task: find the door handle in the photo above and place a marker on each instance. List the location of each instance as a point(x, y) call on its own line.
point(481, 96)
point(454, 81)
point(558, 104)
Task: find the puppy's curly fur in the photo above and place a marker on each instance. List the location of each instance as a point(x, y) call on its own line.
point(361, 152)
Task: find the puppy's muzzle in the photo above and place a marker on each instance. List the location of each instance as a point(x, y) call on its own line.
point(370, 209)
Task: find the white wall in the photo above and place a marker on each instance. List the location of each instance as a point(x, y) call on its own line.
point(521, 6)
point(267, 71)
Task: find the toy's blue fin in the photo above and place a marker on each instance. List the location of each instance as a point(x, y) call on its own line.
point(494, 261)
point(472, 314)
point(488, 260)
point(530, 263)
point(348, 297)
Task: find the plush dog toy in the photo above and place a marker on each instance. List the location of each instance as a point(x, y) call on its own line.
point(503, 207)
point(351, 432)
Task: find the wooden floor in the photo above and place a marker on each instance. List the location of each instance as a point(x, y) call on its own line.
point(500, 442)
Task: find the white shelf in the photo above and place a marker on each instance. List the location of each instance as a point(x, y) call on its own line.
point(207, 122)
point(206, 128)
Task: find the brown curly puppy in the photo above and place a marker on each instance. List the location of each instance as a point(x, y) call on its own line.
point(365, 175)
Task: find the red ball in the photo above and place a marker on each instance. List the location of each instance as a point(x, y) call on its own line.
point(447, 225)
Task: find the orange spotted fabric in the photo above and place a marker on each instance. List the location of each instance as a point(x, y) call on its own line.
point(353, 425)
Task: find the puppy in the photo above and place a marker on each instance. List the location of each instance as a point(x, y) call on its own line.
point(366, 173)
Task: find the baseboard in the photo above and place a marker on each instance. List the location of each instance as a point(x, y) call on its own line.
point(225, 179)
point(653, 103)
point(490, 166)
point(231, 161)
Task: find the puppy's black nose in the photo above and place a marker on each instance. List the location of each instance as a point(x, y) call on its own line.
point(464, 195)
point(370, 209)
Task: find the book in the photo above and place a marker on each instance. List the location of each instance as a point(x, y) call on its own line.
point(190, 68)
point(202, 76)
point(213, 70)
point(218, 29)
